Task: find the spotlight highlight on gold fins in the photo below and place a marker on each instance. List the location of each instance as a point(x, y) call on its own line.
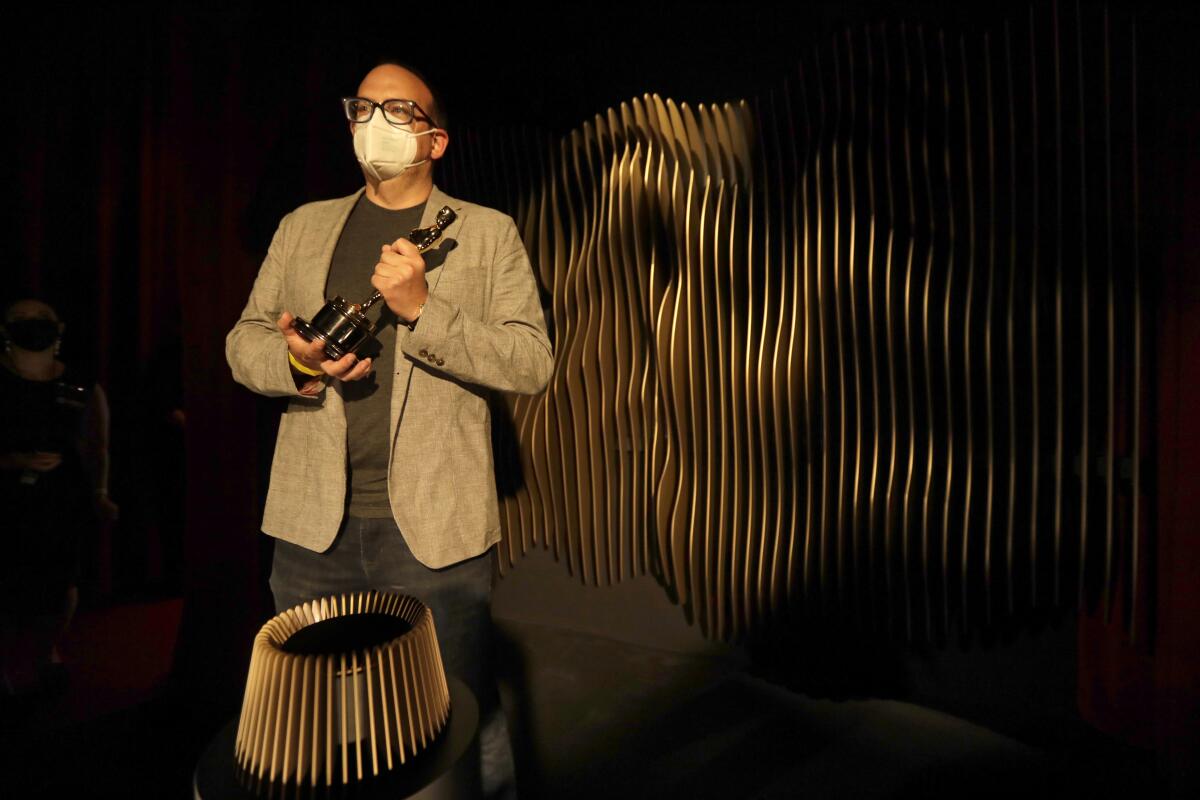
point(847, 349)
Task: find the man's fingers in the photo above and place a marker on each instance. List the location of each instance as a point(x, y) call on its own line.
point(309, 352)
point(403, 251)
point(403, 264)
point(44, 462)
point(404, 247)
point(361, 370)
point(340, 367)
point(314, 351)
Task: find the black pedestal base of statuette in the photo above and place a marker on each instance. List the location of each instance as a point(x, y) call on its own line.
point(446, 770)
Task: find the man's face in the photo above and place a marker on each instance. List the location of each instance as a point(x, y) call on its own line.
point(390, 82)
point(29, 310)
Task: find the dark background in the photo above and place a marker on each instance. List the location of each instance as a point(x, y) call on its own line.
point(154, 151)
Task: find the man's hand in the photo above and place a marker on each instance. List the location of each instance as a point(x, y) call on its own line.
point(312, 354)
point(38, 461)
point(400, 278)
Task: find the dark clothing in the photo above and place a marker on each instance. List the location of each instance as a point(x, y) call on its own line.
point(368, 400)
point(46, 513)
point(371, 554)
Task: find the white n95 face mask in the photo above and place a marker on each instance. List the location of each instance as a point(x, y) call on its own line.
point(384, 150)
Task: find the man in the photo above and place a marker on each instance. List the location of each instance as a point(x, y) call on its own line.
point(383, 475)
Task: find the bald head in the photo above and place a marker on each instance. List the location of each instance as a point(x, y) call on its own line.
point(392, 81)
point(29, 309)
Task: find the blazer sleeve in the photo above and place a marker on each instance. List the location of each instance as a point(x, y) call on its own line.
point(508, 351)
point(255, 348)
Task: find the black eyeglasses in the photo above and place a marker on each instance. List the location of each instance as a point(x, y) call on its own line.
point(395, 111)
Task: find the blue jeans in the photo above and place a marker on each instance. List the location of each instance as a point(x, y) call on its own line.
point(371, 554)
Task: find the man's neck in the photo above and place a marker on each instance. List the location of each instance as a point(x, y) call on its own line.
point(401, 192)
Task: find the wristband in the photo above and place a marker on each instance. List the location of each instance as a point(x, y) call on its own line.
point(296, 365)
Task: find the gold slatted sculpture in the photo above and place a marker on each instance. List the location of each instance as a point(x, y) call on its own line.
point(868, 350)
point(308, 718)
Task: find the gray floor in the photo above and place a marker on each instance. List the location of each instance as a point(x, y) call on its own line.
point(612, 694)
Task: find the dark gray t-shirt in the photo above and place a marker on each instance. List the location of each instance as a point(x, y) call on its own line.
point(368, 401)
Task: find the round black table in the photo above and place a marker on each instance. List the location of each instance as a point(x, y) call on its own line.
point(447, 770)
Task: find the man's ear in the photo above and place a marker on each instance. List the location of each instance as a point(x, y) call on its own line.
point(441, 140)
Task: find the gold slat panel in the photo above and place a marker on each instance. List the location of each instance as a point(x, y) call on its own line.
point(827, 353)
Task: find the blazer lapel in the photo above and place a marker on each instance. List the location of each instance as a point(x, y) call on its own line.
point(312, 290)
point(439, 258)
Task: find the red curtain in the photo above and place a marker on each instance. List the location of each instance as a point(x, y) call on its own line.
point(1147, 691)
point(160, 150)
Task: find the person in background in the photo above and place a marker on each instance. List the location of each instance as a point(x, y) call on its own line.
point(53, 488)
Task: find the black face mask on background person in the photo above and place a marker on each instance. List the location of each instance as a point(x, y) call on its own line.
point(33, 335)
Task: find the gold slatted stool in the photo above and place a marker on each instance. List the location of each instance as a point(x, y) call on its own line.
point(341, 689)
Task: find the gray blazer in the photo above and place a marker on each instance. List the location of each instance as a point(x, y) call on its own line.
point(482, 328)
